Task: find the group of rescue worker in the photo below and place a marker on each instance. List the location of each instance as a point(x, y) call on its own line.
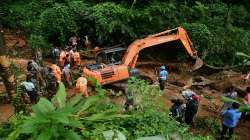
point(40, 79)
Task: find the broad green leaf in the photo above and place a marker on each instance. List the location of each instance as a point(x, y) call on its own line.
point(226, 99)
point(244, 108)
point(13, 135)
point(242, 54)
point(75, 123)
point(60, 98)
point(104, 116)
point(74, 100)
point(46, 134)
point(43, 106)
point(90, 101)
point(71, 135)
point(28, 126)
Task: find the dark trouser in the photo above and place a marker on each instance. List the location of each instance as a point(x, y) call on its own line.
point(162, 84)
point(189, 118)
point(224, 131)
point(52, 89)
point(33, 96)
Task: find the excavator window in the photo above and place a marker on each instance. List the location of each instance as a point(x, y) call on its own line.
point(111, 56)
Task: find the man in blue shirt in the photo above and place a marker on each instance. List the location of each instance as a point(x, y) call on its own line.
point(162, 77)
point(230, 119)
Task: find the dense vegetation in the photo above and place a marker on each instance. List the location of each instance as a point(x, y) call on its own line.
point(91, 117)
point(218, 28)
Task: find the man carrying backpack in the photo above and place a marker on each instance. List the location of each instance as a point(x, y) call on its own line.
point(30, 90)
point(230, 119)
point(191, 109)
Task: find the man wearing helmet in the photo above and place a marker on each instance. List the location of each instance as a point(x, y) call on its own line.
point(163, 74)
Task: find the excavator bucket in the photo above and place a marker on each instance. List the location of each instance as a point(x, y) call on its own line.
point(198, 64)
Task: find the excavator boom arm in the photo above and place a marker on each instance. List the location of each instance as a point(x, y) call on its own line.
point(132, 53)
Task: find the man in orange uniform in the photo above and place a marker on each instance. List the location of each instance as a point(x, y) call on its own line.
point(62, 57)
point(76, 58)
point(56, 70)
point(81, 86)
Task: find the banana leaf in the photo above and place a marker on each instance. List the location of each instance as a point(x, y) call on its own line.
point(242, 54)
point(60, 98)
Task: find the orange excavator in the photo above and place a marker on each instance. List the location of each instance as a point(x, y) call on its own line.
point(114, 72)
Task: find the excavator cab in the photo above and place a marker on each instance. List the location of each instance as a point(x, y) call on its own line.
point(110, 56)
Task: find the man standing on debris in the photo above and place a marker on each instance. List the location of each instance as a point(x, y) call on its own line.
point(191, 109)
point(73, 41)
point(52, 83)
point(33, 73)
point(30, 89)
point(230, 119)
point(32, 66)
point(62, 58)
point(81, 86)
point(163, 74)
point(39, 57)
point(55, 55)
point(76, 58)
point(67, 74)
point(57, 72)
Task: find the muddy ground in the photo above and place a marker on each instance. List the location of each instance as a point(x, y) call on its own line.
point(209, 86)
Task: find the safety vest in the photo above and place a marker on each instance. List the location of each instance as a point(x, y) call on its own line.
point(77, 59)
point(62, 58)
point(56, 70)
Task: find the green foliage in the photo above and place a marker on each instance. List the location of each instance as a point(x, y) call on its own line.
point(243, 107)
point(144, 93)
point(57, 23)
point(111, 20)
point(218, 29)
point(38, 41)
point(210, 125)
point(61, 119)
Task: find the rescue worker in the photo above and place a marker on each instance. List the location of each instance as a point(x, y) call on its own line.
point(67, 75)
point(34, 72)
point(67, 60)
point(57, 72)
point(76, 58)
point(39, 56)
point(52, 83)
point(230, 119)
point(32, 66)
point(191, 109)
point(30, 90)
point(55, 55)
point(62, 58)
point(73, 41)
point(87, 43)
point(163, 74)
point(81, 86)
point(178, 110)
